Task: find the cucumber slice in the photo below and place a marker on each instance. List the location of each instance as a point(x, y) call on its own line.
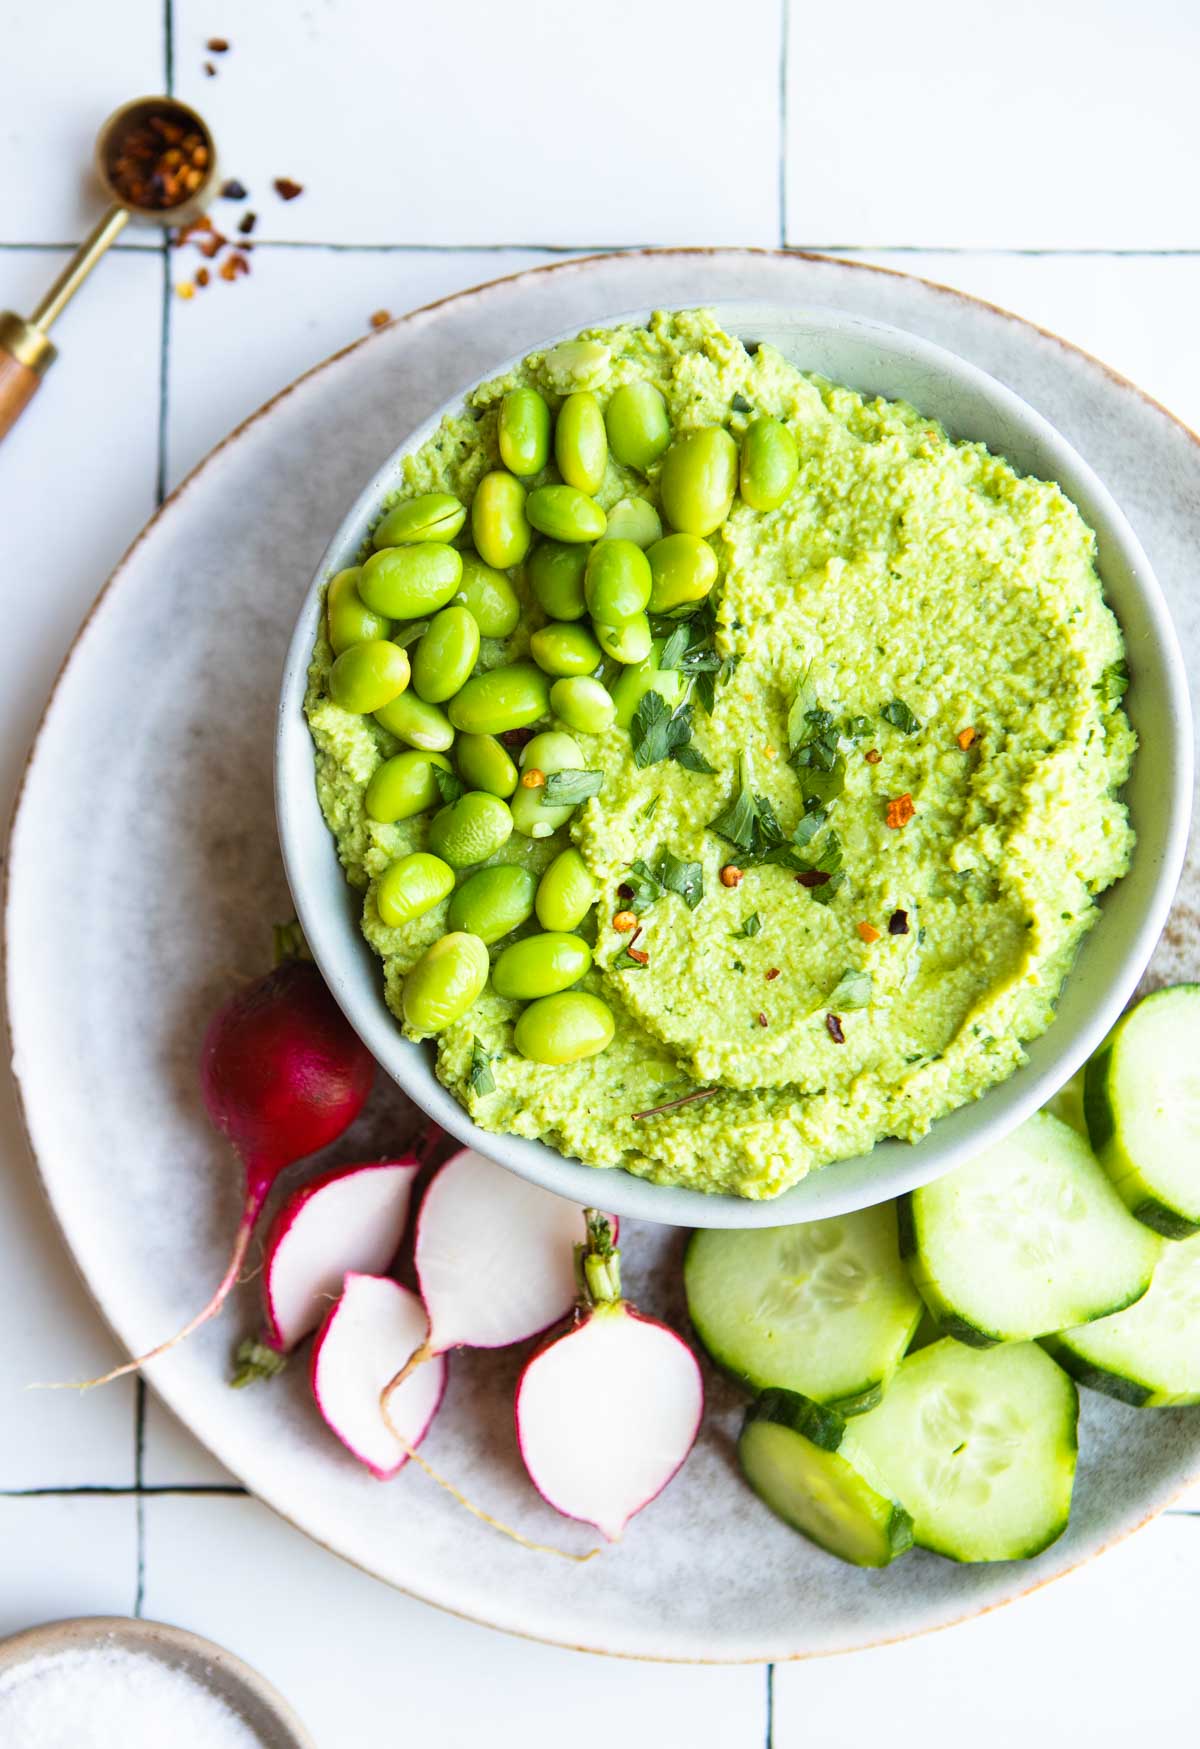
point(1148, 1355)
point(980, 1447)
point(1027, 1238)
point(1142, 1104)
point(825, 1309)
point(799, 1458)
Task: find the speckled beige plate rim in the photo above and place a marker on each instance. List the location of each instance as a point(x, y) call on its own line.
point(575, 264)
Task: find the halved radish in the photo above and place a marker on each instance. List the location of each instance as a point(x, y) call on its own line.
point(349, 1220)
point(372, 1328)
point(607, 1413)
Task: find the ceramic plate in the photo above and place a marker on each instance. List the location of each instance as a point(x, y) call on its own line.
point(144, 878)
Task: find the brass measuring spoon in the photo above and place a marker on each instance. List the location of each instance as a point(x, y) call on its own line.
point(26, 351)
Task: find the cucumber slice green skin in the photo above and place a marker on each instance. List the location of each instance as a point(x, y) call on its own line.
point(969, 1276)
point(797, 1457)
point(981, 1447)
point(725, 1273)
point(1121, 1143)
point(1097, 1379)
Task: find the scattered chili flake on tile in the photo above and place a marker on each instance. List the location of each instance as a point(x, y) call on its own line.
point(899, 811)
point(247, 223)
point(773, 973)
point(217, 45)
point(872, 756)
point(185, 289)
point(762, 1019)
point(211, 246)
point(381, 318)
point(286, 189)
point(833, 1027)
point(898, 923)
point(202, 276)
point(812, 877)
point(210, 72)
point(193, 228)
point(965, 737)
point(234, 190)
point(233, 265)
point(868, 932)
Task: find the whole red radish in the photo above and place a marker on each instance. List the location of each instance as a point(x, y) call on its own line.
point(607, 1413)
point(282, 1074)
point(348, 1221)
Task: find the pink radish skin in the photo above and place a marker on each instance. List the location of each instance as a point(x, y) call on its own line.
point(348, 1220)
point(282, 1074)
point(607, 1413)
point(375, 1322)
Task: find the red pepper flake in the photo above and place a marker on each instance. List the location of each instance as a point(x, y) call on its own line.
point(732, 875)
point(867, 932)
point(898, 923)
point(762, 1019)
point(210, 72)
point(772, 974)
point(639, 954)
point(965, 737)
point(286, 189)
point(812, 877)
point(833, 1027)
point(247, 223)
point(202, 276)
point(234, 190)
point(233, 265)
point(899, 811)
point(516, 737)
point(872, 756)
point(211, 246)
point(193, 228)
point(624, 921)
point(381, 318)
point(217, 45)
point(158, 163)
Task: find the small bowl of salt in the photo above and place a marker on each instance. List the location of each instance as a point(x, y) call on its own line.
point(111, 1682)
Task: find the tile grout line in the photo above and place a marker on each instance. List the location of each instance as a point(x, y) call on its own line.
point(770, 1742)
point(1048, 251)
point(784, 29)
point(139, 1490)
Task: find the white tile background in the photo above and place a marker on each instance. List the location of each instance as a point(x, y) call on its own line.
point(1043, 154)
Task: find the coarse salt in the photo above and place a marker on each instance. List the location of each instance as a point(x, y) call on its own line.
point(107, 1698)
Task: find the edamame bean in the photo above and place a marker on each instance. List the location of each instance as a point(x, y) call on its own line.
point(566, 892)
point(402, 786)
point(638, 427)
point(699, 478)
point(565, 649)
point(409, 582)
point(575, 364)
point(555, 573)
point(634, 519)
point(769, 465)
point(498, 520)
point(471, 829)
point(583, 704)
point(546, 753)
point(580, 443)
point(418, 724)
point(347, 616)
point(564, 1028)
point(493, 902)
point(633, 683)
point(616, 583)
point(540, 965)
point(483, 763)
point(565, 513)
point(445, 982)
point(368, 675)
point(432, 516)
point(412, 886)
point(489, 597)
point(523, 432)
point(445, 656)
point(500, 700)
point(627, 642)
point(683, 568)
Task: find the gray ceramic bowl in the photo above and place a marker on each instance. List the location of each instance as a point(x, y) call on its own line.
point(248, 1695)
point(876, 359)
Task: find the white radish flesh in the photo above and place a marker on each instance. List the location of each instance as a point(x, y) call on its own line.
point(351, 1220)
point(607, 1414)
point(494, 1255)
point(364, 1341)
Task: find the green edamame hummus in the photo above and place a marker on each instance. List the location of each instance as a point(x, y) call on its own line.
point(900, 722)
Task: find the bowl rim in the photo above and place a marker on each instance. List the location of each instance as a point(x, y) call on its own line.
point(985, 1120)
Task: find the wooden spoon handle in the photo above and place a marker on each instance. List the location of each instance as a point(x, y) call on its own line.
point(19, 383)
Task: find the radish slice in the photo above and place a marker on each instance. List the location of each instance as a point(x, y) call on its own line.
point(494, 1255)
point(607, 1413)
point(369, 1332)
point(347, 1221)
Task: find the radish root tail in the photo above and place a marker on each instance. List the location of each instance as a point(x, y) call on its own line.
point(457, 1494)
point(417, 1358)
point(236, 1260)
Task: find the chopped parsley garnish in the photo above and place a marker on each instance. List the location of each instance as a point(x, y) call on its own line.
point(647, 812)
point(739, 404)
point(668, 873)
point(690, 649)
point(565, 788)
point(853, 990)
point(661, 733)
point(751, 825)
point(898, 714)
point(857, 728)
point(750, 926)
point(481, 1077)
point(1113, 684)
point(692, 759)
point(450, 785)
